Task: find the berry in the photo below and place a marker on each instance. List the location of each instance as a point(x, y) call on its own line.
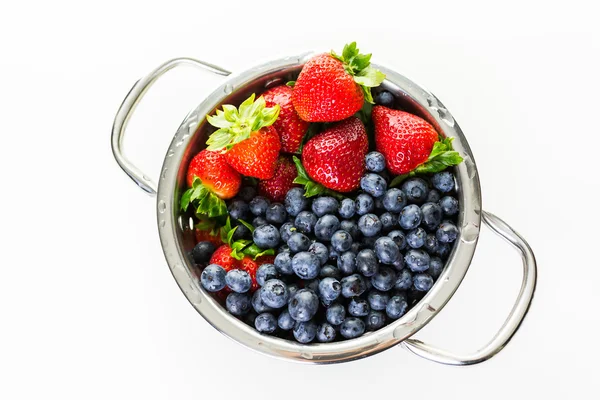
point(447, 232)
point(290, 127)
point(329, 289)
point(202, 252)
point(266, 272)
point(286, 231)
point(283, 263)
point(432, 215)
point(276, 214)
point(353, 285)
point(257, 155)
point(285, 320)
point(386, 249)
point(324, 205)
point(358, 307)
point(303, 305)
point(258, 206)
point(208, 236)
point(214, 173)
point(312, 284)
point(416, 190)
point(394, 200)
point(274, 293)
point(222, 256)
point(335, 314)
point(435, 267)
point(292, 290)
point(306, 265)
point(326, 226)
point(375, 320)
point(416, 238)
point(384, 98)
point(247, 193)
point(443, 250)
point(369, 225)
point(265, 323)
point(404, 280)
point(422, 282)
point(396, 307)
point(341, 241)
point(364, 204)
point(347, 208)
point(330, 271)
point(351, 227)
point(238, 281)
point(305, 332)
point(384, 279)
point(378, 300)
point(398, 238)
point(375, 161)
point(373, 184)
point(266, 236)
point(443, 181)
point(366, 262)
point(241, 232)
point(431, 243)
point(238, 303)
point(399, 263)
point(410, 217)
point(213, 278)
point(417, 260)
point(388, 221)
point(319, 250)
point(433, 196)
point(352, 327)
point(298, 242)
point(325, 333)
point(238, 209)
point(449, 205)
point(259, 221)
point(295, 201)
point(305, 221)
point(347, 263)
point(258, 304)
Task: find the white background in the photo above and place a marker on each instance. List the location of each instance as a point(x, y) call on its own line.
point(88, 307)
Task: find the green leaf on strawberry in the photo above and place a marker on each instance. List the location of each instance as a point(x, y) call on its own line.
point(247, 225)
point(291, 83)
point(311, 188)
point(254, 251)
point(205, 201)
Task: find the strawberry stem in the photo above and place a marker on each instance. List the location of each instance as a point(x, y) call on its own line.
point(311, 188)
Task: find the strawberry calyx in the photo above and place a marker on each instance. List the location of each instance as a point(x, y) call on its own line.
point(311, 188)
point(359, 66)
point(242, 247)
point(236, 124)
point(204, 199)
point(441, 157)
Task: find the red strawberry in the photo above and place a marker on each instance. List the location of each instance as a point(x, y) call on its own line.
point(251, 145)
point(335, 158)
point(207, 236)
point(289, 126)
point(215, 174)
point(251, 266)
point(222, 256)
point(332, 88)
point(276, 188)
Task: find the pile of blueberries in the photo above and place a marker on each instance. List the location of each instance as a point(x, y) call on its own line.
point(342, 267)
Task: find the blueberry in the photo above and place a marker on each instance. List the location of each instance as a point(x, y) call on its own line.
point(266, 236)
point(384, 280)
point(258, 304)
point(303, 305)
point(247, 193)
point(368, 242)
point(417, 260)
point(378, 300)
point(384, 98)
point(416, 190)
point(346, 263)
point(386, 249)
point(295, 201)
point(285, 320)
point(398, 238)
point(449, 205)
point(422, 282)
point(379, 203)
point(298, 242)
point(414, 296)
point(443, 181)
point(352, 327)
point(283, 263)
point(265, 323)
point(312, 284)
point(241, 232)
point(351, 227)
point(266, 272)
point(394, 200)
point(306, 265)
point(443, 250)
point(410, 217)
point(396, 307)
point(238, 209)
point(324, 205)
point(319, 250)
point(435, 267)
point(447, 232)
point(274, 293)
point(335, 314)
point(364, 204)
point(375, 320)
point(258, 206)
point(305, 332)
point(388, 221)
point(433, 196)
point(404, 280)
point(369, 225)
point(276, 213)
point(325, 226)
point(238, 280)
point(333, 253)
point(286, 231)
point(305, 221)
point(347, 208)
point(292, 290)
point(202, 252)
point(373, 184)
point(238, 303)
point(330, 271)
point(259, 221)
point(366, 262)
point(356, 247)
point(358, 307)
point(416, 238)
point(375, 161)
point(431, 243)
point(432, 215)
point(329, 289)
point(341, 241)
point(213, 278)
point(325, 333)
point(353, 285)
point(399, 263)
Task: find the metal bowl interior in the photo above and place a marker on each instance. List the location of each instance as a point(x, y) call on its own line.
point(176, 229)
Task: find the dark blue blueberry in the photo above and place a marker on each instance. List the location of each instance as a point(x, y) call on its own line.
point(324, 205)
point(410, 217)
point(384, 98)
point(238, 303)
point(333, 253)
point(238, 209)
point(443, 250)
point(435, 267)
point(295, 201)
point(375, 161)
point(366, 262)
point(417, 260)
point(292, 290)
point(265, 323)
point(202, 252)
point(259, 221)
point(325, 333)
point(213, 278)
point(298, 242)
point(404, 280)
point(358, 307)
point(258, 206)
point(330, 271)
point(352, 327)
point(305, 221)
point(283, 263)
point(386, 249)
point(422, 282)
point(285, 320)
point(346, 263)
point(396, 307)
point(242, 232)
point(238, 280)
point(306, 265)
point(416, 238)
point(449, 205)
point(373, 184)
point(247, 193)
point(305, 332)
point(398, 238)
point(335, 314)
point(364, 204)
point(274, 293)
point(286, 231)
point(432, 215)
point(258, 304)
point(384, 280)
point(329, 289)
point(303, 305)
point(353, 285)
point(356, 247)
point(319, 250)
point(433, 196)
point(416, 190)
point(351, 227)
point(266, 272)
point(388, 221)
point(447, 232)
point(375, 320)
point(325, 226)
point(378, 300)
point(443, 181)
point(394, 200)
point(276, 213)
point(266, 236)
point(369, 225)
point(399, 263)
point(431, 243)
point(347, 208)
point(341, 241)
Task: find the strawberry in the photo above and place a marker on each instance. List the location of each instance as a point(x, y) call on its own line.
point(251, 266)
point(251, 145)
point(332, 87)
point(334, 158)
point(289, 126)
point(276, 188)
point(222, 256)
point(207, 236)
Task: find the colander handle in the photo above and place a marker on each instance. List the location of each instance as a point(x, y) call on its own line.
point(132, 99)
point(514, 319)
